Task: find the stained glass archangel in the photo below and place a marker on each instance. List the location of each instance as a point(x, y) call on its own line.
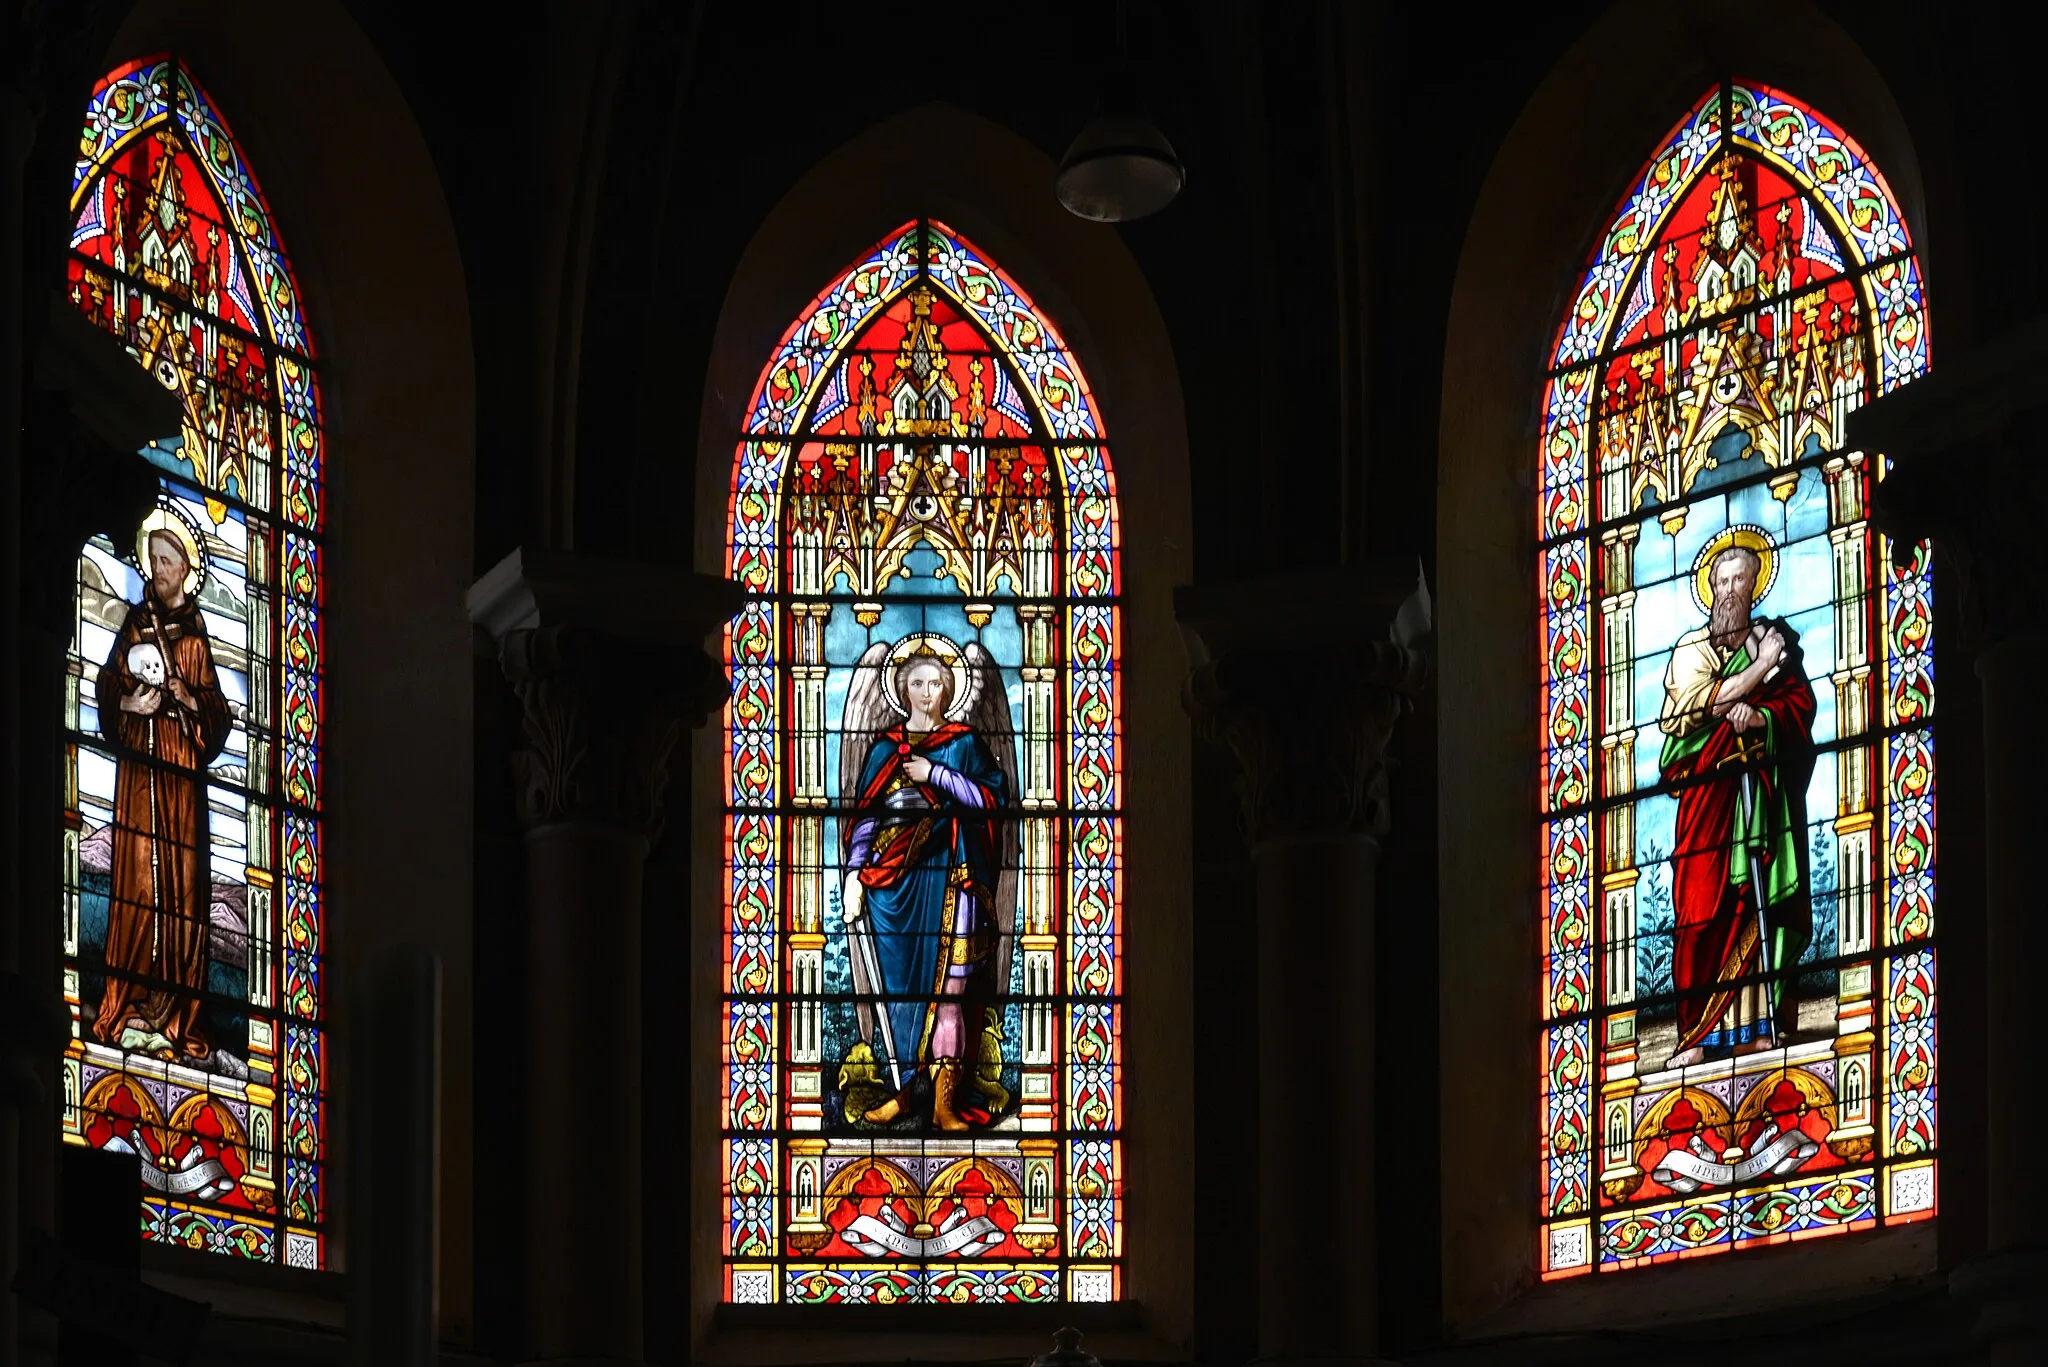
point(1737, 695)
point(922, 991)
point(192, 907)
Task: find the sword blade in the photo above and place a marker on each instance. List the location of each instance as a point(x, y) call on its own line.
point(1756, 894)
point(872, 963)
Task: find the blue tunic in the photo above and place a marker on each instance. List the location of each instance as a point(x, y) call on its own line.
point(927, 857)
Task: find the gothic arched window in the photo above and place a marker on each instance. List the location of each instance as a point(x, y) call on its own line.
point(192, 909)
point(922, 835)
point(1737, 694)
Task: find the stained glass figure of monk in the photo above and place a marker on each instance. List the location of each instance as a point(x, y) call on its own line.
point(163, 710)
point(1738, 750)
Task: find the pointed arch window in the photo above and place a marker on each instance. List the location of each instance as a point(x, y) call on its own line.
point(192, 904)
point(1737, 694)
point(922, 993)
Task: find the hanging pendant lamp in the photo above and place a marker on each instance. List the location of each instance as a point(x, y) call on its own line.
point(1120, 166)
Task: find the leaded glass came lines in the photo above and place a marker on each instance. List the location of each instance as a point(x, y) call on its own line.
point(923, 875)
point(1737, 759)
point(194, 962)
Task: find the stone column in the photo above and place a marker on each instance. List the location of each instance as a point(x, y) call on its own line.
point(1968, 446)
point(394, 1229)
point(1303, 678)
point(604, 656)
point(2008, 1285)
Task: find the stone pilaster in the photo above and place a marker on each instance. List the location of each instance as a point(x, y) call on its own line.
point(1304, 678)
point(607, 662)
point(1970, 470)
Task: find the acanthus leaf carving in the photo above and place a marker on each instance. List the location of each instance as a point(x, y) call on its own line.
point(1312, 762)
point(598, 736)
point(1982, 503)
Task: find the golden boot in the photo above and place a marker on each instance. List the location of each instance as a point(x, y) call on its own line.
point(893, 1107)
point(945, 1092)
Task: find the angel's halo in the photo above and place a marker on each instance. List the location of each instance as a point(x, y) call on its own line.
point(947, 652)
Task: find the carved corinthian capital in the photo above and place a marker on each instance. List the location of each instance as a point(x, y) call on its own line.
point(1984, 506)
point(606, 660)
point(1967, 446)
point(90, 410)
point(1304, 678)
point(600, 717)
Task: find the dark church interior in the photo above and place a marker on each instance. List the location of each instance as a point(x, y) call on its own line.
point(1473, 984)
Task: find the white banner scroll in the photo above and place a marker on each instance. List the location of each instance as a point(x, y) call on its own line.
point(194, 1177)
point(1695, 1166)
point(873, 1238)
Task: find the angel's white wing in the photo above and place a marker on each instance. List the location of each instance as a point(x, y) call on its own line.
point(867, 712)
point(988, 712)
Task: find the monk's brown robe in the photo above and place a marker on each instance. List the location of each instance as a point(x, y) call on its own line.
point(158, 918)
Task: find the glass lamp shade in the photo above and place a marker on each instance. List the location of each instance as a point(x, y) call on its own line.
point(1121, 167)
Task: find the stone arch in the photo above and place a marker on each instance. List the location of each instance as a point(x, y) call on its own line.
point(1552, 186)
point(945, 163)
point(383, 286)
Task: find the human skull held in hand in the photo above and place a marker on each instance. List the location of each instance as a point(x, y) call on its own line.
point(146, 663)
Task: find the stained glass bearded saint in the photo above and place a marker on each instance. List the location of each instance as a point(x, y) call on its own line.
point(1738, 747)
point(162, 708)
point(928, 897)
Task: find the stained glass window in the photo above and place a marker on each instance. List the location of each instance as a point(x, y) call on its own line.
point(192, 905)
point(922, 994)
point(1737, 697)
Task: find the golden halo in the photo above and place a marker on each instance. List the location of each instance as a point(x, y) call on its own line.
point(1749, 537)
point(941, 648)
point(169, 521)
